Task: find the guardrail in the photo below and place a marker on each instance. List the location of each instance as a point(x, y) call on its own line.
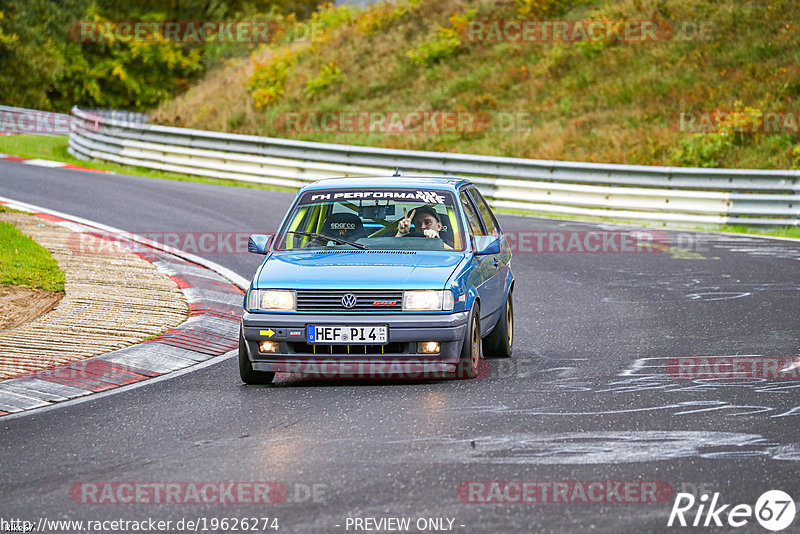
point(624, 192)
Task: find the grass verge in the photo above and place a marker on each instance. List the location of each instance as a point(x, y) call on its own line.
point(55, 148)
point(23, 262)
point(792, 232)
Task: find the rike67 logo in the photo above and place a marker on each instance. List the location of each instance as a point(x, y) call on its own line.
point(774, 510)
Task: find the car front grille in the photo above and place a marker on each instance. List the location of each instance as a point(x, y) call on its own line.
point(379, 300)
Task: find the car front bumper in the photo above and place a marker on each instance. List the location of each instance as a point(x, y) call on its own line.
point(398, 358)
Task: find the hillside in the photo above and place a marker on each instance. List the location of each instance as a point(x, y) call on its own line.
point(615, 99)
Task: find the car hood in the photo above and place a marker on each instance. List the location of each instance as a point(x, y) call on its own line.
point(358, 269)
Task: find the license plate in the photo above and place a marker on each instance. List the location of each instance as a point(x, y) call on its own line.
point(344, 334)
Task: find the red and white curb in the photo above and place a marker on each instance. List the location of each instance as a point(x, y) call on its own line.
point(212, 331)
point(50, 164)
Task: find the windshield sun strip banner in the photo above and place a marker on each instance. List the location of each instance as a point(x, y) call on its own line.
point(404, 195)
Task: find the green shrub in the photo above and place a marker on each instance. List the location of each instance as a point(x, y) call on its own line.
point(442, 43)
point(234, 121)
point(322, 22)
point(796, 157)
point(328, 75)
point(704, 150)
point(542, 8)
point(269, 78)
point(384, 14)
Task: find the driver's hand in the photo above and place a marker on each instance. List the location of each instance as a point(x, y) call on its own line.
point(430, 232)
point(404, 224)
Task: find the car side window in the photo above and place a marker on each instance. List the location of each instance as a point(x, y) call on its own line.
point(492, 228)
point(473, 219)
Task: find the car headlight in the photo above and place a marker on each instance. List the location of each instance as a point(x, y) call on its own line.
point(427, 300)
point(272, 300)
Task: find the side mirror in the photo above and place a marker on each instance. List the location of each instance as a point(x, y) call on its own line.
point(487, 244)
point(259, 243)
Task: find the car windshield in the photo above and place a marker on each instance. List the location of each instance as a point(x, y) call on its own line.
point(383, 219)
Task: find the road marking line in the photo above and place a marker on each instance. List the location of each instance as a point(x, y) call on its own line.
point(794, 365)
point(44, 163)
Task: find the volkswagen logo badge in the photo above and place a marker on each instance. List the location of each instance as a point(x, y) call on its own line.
point(349, 300)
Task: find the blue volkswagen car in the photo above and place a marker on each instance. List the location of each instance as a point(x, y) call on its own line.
point(379, 277)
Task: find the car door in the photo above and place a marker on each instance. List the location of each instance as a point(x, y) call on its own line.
point(483, 270)
point(497, 270)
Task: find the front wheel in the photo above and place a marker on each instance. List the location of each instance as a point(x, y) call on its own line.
point(499, 342)
point(471, 351)
point(246, 372)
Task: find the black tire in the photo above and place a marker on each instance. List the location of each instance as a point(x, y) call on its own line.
point(499, 343)
point(471, 351)
point(249, 376)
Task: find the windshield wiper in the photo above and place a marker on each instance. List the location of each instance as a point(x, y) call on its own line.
point(328, 238)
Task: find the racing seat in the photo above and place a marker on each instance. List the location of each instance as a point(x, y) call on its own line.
point(446, 233)
point(343, 225)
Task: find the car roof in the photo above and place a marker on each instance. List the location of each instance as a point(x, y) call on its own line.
point(450, 183)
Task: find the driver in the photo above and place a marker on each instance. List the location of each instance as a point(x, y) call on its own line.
point(425, 220)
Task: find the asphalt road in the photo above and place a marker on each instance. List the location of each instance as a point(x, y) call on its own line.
point(585, 398)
